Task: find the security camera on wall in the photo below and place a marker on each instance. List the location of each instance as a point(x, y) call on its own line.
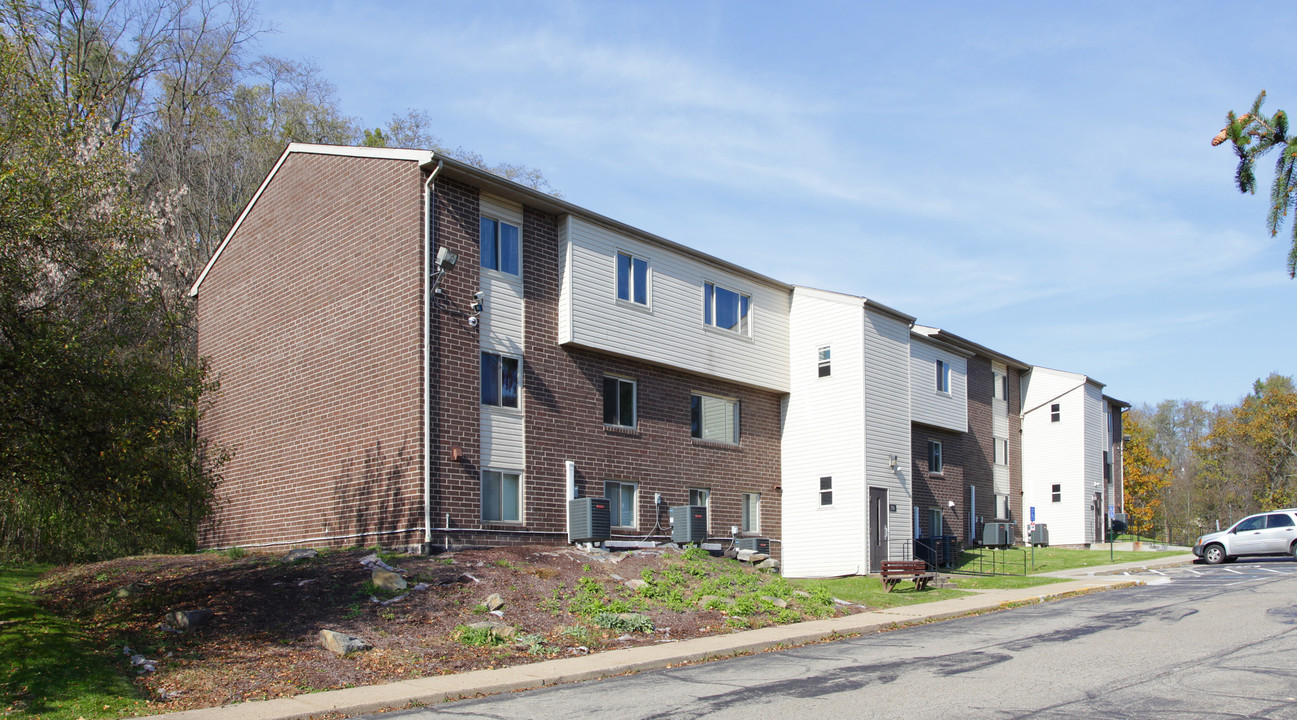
point(472, 321)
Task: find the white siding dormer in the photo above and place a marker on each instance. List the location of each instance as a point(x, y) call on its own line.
point(671, 329)
point(930, 363)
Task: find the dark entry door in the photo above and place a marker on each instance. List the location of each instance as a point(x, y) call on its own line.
point(877, 528)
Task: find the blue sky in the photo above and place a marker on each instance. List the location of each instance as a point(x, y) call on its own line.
point(1036, 177)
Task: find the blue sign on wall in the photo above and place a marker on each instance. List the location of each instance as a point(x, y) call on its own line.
point(1033, 513)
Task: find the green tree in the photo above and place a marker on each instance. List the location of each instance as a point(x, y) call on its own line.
point(1146, 474)
point(1252, 135)
point(98, 400)
point(1250, 456)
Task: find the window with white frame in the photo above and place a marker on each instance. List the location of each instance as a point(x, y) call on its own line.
point(618, 402)
point(1000, 388)
point(1055, 412)
point(632, 279)
point(1001, 451)
point(750, 520)
point(726, 309)
point(1002, 511)
point(621, 501)
point(700, 496)
point(935, 522)
point(943, 376)
point(499, 380)
point(714, 418)
point(934, 457)
point(501, 496)
point(498, 242)
point(826, 491)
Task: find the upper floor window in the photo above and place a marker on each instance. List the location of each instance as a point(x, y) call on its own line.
point(714, 418)
point(632, 279)
point(1000, 390)
point(826, 491)
point(935, 463)
point(1107, 466)
point(1001, 451)
point(1056, 492)
point(1055, 412)
point(726, 309)
point(943, 376)
point(618, 402)
point(498, 241)
point(825, 370)
point(499, 380)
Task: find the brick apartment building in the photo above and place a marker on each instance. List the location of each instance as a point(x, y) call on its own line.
point(418, 353)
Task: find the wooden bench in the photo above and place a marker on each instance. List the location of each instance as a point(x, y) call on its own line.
point(894, 571)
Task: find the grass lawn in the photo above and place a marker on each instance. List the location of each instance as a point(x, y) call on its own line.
point(48, 668)
point(869, 590)
point(1018, 561)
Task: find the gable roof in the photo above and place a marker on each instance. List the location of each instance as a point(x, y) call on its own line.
point(492, 184)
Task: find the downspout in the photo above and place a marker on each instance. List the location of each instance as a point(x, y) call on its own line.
point(427, 355)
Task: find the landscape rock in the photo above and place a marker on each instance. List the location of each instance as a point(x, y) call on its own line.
point(758, 557)
point(300, 554)
point(745, 555)
point(636, 584)
point(498, 629)
point(768, 564)
point(494, 602)
point(142, 664)
point(777, 602)
point(372, 561)
point(186, 620)
point(341, 643)
point(801, 593)
point(387, 580)
point(129, 590)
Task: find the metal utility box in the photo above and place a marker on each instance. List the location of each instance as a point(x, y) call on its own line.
point(997, 534)
point(761, 545)
point(589, 520)
point(1040, 534)
point(940, 551)
point(689, 523)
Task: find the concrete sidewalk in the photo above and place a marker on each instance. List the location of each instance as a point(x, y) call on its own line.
point(431, 690)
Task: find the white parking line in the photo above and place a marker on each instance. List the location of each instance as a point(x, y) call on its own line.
point(1156, 572)
point(1195, 572)
point(1269, 570)
point(1233, 571)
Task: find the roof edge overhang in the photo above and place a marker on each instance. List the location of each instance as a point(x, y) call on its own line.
point(976, 348)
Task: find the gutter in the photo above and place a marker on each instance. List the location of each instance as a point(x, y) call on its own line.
point(427, 354)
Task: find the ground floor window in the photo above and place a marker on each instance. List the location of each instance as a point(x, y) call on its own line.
point(621, 500)
point(935, 522)
point(501, 496)
point(751, 519)
point(1002, 511)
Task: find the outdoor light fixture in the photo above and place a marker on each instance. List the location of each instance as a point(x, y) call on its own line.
point(895, 462)
point(446, 259)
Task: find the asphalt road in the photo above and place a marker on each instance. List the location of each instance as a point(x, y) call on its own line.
point(1197, 642)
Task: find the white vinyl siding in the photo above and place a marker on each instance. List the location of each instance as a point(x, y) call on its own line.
point(671, 331)
point(927, 404)
point(1000, 428)
point(818, 543)
point(887, 419)
point(500, 331)
point(1067, 453)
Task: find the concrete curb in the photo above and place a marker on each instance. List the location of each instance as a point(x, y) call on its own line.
point(440, 688)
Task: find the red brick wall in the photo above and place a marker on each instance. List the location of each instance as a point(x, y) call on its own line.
point(563, 405)
point(311, 320)
point(979, 445)
point(933, 490)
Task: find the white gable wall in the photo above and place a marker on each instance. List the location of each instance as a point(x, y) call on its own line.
point(823, 436)
point(1054, 452)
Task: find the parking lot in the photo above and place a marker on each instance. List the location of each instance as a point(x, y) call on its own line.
point(1204, 575)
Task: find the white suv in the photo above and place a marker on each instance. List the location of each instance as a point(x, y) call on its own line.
point(1268, 533)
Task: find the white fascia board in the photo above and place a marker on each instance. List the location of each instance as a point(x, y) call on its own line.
point(422, 157)
point(938, 343)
